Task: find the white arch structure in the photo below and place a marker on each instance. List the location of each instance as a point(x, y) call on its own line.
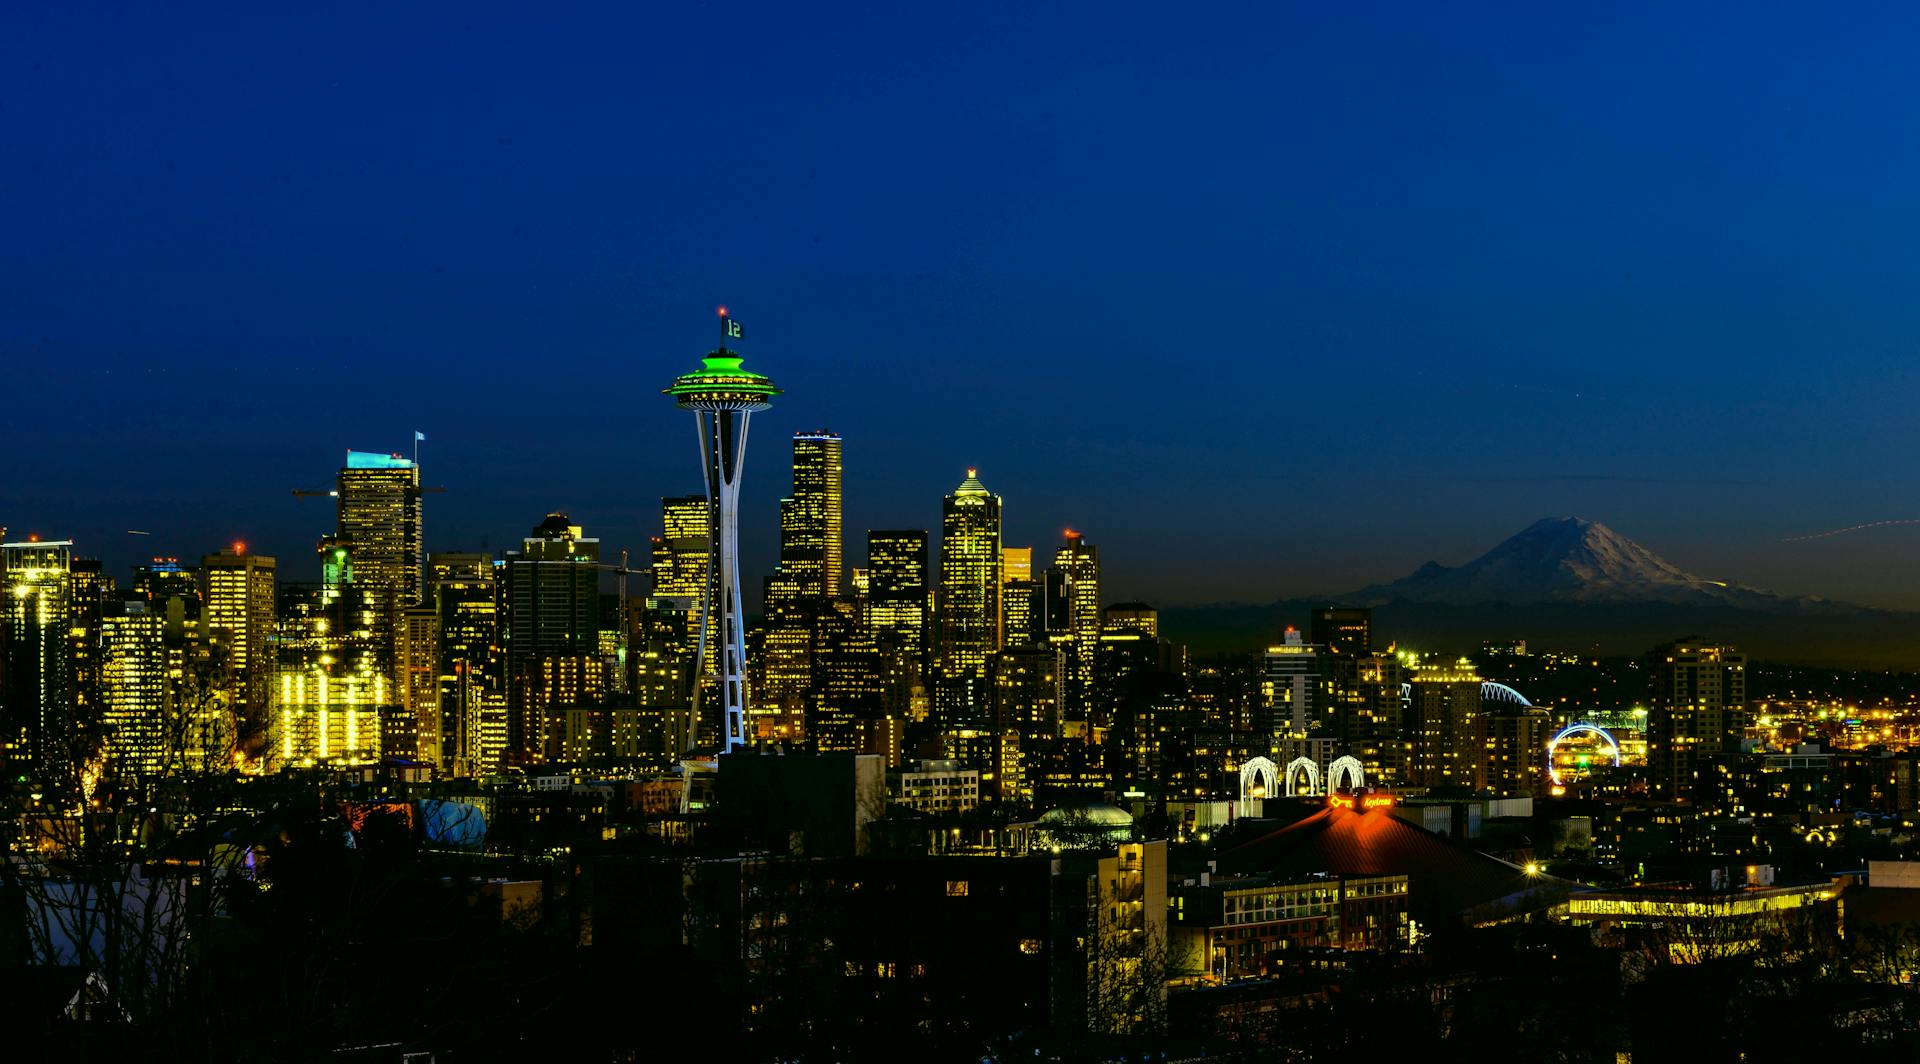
point(1303, 766)
point(1553, 744)
point(1262, 772)
point(1349, 769)
point(1501, 693)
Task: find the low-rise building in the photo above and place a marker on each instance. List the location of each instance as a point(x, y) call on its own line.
point(1247, 926)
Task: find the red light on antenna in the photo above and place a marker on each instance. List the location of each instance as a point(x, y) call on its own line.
point(723, 311)
point(239, 547)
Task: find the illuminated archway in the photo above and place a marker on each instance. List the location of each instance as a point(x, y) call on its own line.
point(1500, 693)
point(1262, 773)
point(1303, 766)
point(1346, 774)
point(1553, 744)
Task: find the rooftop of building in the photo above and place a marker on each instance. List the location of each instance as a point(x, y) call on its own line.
point(721, 371)
point(373, 460)
point(971, 485)
point(1448, 881)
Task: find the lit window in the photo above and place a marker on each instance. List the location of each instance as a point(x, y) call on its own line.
point(956, 888)
point(1029, 946)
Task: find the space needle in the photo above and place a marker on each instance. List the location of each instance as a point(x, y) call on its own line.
point(722, 397)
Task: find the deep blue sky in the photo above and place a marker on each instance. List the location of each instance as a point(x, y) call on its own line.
point(1268, 300)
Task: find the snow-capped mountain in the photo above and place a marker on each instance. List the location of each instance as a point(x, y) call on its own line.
point(1568, 560)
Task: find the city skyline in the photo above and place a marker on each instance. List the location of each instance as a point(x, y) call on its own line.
point(633, 524)
point(1592, 267)
point(1323, 532)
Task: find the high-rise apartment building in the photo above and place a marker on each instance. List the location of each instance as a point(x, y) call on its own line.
point(1290, 687)
point(1696, 708)
point(236, 617)
point(1370, 716)
point(970, 621)
point(1446, 711)
point(1510, 743)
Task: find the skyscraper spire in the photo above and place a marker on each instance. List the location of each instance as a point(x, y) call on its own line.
point(723, 396)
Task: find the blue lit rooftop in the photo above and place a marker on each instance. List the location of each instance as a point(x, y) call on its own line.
point(370, 460)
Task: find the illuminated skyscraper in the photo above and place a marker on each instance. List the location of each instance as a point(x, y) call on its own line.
point(723, 397)
point(553, 613)
point(811, 550)
point(1080, 562)
point(472, 715)
point(553, 591)
point(969, 577)
point(417, 729)
point(134, 687)
point(36, 672)
point(1369, 713)
point(237, 601)
point(452, 565)
point(897, 591)
point(90, 597)
point(680, 554)
point(379, 496)
point(331, 681)
point(1019, 598)
point(809, 575)
point(165, 578)
point(1509, 741)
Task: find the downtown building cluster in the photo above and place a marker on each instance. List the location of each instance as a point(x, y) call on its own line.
point(939, 788)
point(1011, 676)
point(464, 665)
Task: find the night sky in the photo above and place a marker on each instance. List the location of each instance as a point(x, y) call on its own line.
point(1268, 301)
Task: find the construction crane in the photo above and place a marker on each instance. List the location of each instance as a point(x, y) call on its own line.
point(620, 584)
